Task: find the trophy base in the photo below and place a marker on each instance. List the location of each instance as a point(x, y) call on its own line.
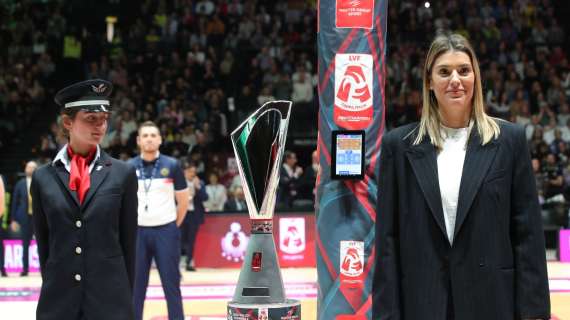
point(260, 281)
point(289, 310)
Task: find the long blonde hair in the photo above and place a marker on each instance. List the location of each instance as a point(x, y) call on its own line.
point(430, 122)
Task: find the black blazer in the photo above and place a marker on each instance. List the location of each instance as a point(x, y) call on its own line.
point(104, 227)
point(232, 205)
point(496, 268)
point(197, 215)
point(19, 202)
point(288, 188)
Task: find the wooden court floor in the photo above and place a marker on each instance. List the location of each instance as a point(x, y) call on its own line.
point(207, 291)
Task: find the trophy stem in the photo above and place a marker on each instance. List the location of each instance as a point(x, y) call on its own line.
point(260, 279)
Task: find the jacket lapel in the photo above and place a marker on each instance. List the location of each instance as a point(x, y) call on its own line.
point(98, 174)
point(63, 179)
point(422, 158)
point(478, 159)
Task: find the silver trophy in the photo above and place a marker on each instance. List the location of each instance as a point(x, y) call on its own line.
point(258, 144)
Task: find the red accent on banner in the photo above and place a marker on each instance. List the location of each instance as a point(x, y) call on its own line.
point(375, 152)
point(350, 317)
point(318, 179)
point(345, 43)
point(354, 13)
point(360, 190)
point(365, 307)
point(223, 239)
point(324, 149)
point(382, 83)
point(326, 259)
point(318, 16)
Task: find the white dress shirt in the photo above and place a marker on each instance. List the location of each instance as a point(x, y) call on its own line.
point(217, 196)
point(450, 168)
point(63, 157)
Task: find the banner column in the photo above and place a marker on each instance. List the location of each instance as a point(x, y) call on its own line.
point(351, 56)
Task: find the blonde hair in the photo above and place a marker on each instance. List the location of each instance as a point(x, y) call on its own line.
point(430, 122)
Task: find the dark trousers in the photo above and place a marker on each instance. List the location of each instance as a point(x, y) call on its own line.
point(27, 233)
point(191, 227)
point(163, 244)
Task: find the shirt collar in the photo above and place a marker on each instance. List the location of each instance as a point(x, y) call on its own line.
point(152, 161)
point(289, 170)
point(63, 157)
point(447, 132)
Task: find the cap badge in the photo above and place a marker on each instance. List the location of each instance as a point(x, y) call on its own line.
point(99, 89)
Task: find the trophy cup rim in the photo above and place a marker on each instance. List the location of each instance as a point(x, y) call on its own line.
point(260, 111)
point(268, 201)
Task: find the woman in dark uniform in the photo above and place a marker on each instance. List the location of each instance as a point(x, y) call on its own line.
point(459, 231)
point(85, 216)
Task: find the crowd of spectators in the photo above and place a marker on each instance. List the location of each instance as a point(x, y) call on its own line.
point(26, 67)
point(199, 67)
point(196, 68)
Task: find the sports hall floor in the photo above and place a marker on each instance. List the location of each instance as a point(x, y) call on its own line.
point(206, 292)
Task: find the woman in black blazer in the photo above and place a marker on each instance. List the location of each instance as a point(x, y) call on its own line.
point(459, 231)
point(85, 216)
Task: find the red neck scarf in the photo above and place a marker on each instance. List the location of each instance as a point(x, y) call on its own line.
point(79, 179)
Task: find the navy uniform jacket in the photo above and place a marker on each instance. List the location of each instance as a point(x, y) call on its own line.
point(19, 202)
point(496, 268)
point(87, 252)
point(200, 196)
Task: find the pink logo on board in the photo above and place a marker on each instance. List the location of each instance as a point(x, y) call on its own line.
point(234, 243)
point(292, 235)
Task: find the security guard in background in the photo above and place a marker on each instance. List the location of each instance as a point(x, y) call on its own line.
point(85, 216)
point(21, 211)
point(163, 200)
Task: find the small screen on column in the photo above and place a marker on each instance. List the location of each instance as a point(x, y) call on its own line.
point(348, 154)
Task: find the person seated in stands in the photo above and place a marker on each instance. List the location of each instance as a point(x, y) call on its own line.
point(236, 202)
